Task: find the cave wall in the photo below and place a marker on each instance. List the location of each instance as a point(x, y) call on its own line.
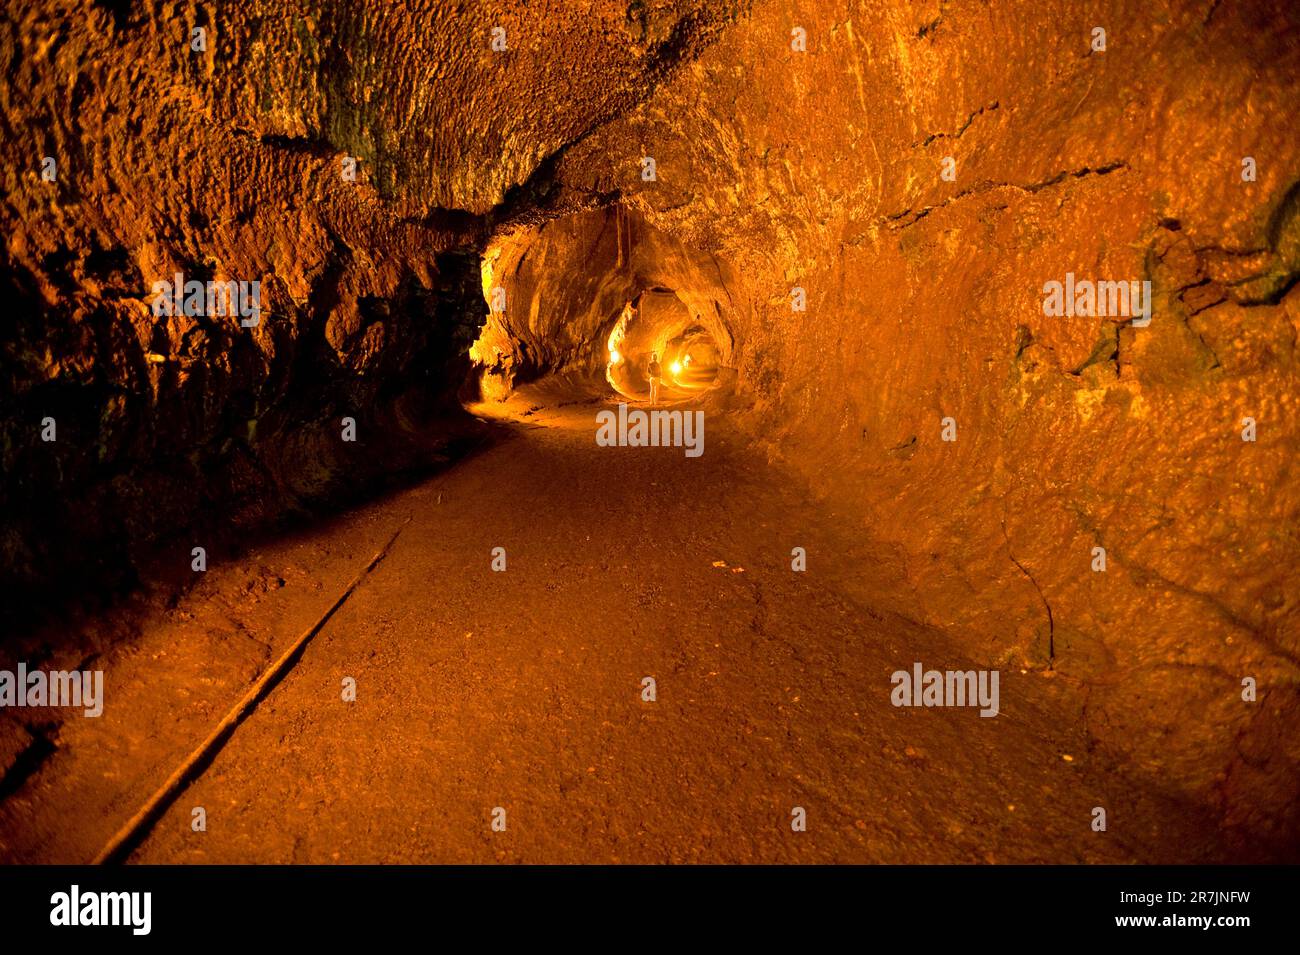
point(822, 170)
point(817, 169)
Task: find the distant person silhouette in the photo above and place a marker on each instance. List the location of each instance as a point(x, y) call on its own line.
point(654, 371)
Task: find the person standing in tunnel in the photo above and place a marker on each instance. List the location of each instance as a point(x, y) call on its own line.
point(654, 371)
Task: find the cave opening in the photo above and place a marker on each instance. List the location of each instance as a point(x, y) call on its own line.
point(657, 332)
point(599, 300)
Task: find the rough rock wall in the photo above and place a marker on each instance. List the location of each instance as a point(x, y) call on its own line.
point(819, 169)
point(158, 172)
point(926, 301)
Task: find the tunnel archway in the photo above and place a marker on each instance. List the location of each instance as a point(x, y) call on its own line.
point(593, 296)
point(658, 326)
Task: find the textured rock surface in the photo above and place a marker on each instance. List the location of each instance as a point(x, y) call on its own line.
point(817, 169)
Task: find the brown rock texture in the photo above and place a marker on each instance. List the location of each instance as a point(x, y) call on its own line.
point(775, 169)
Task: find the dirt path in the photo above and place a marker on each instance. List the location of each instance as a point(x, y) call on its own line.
point(522, 690)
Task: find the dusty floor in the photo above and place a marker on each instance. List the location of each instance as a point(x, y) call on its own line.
point(522, 690)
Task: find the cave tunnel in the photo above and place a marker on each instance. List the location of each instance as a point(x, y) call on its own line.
point(735, 432)
point(594, 297)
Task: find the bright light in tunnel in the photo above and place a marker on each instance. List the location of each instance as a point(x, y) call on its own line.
point(614, 356)
point(675, 368)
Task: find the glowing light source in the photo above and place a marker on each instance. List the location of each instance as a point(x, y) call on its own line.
point(675, 368)
point(614, 356)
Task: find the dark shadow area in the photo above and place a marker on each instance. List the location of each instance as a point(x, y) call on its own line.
point(207, 447)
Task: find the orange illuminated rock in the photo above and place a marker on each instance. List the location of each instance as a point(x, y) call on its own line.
point(920, 172)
